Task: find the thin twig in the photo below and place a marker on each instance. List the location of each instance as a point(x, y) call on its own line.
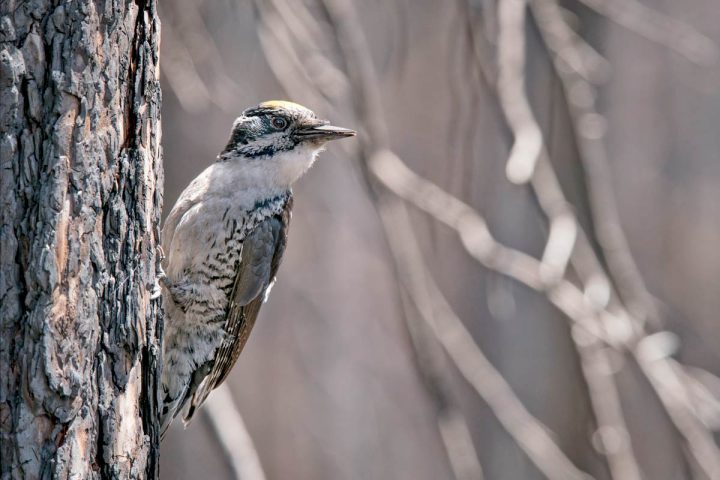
point(612, 433)
point(589, 132)
point(527, 147)
point(230, 430)
point(659, 28)
point(652, 356)
point(194, 48)
point(462, 348)
point(452, 424)
point(458, 445)
point(528, 432)
point(602, 322)
point(431, 363)
point(562, 238)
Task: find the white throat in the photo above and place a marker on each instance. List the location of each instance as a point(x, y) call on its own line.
point(280, 170)
point(255, 179)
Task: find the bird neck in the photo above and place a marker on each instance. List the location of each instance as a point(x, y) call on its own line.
point(276, 171)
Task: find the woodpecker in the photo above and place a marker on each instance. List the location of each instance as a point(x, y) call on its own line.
point(223, 242)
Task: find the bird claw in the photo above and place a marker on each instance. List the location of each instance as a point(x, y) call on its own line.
point(161, 280)
point(156, 291)
point(160, 275)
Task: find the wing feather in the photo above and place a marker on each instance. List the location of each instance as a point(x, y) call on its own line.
point(262, 251)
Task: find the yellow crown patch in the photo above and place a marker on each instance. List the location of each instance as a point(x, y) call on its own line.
point(282, 104)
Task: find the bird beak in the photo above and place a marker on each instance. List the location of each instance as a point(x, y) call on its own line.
point(323, 132)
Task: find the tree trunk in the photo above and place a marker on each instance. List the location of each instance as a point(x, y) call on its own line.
point(80, 200)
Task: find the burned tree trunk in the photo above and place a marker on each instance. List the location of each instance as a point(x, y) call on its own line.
point(80, 199)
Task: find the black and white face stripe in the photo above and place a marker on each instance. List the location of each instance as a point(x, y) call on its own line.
point(278, 126)
point(264, 131)
point(267, 145)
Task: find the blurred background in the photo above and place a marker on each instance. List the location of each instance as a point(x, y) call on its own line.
point(513, 271)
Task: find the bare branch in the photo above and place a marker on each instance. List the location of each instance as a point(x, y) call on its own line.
point(526, 430)
point(612, 434)
point(527, 145)
point(431, 362)
point(589, 132)
point(428, 354)
point(181, 74)
point(459, 447)
point(659, 28)
point(195, 57)
point(652, 356)
point(606, 323)
point(230, 430)
point(459, 343)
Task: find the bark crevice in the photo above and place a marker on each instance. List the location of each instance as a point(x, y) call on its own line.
point(80, 200)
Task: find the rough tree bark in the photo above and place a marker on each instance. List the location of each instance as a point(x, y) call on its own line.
point(80, 199)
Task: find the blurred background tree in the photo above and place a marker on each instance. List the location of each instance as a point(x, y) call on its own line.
point(514, 275)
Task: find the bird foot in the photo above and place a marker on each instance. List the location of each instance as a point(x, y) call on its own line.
point(160, 276)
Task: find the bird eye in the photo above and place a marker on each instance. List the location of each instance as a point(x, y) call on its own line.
point(278, 122)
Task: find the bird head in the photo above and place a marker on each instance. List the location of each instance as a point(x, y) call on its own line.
point(277, 141)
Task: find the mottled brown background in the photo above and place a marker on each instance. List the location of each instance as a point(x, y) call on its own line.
point(327, 384)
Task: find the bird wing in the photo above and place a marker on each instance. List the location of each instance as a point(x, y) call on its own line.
point(188, 199)
point(262, 251)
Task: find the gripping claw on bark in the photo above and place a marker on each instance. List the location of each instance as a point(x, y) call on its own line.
point(156, 291)
point(160, 275)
